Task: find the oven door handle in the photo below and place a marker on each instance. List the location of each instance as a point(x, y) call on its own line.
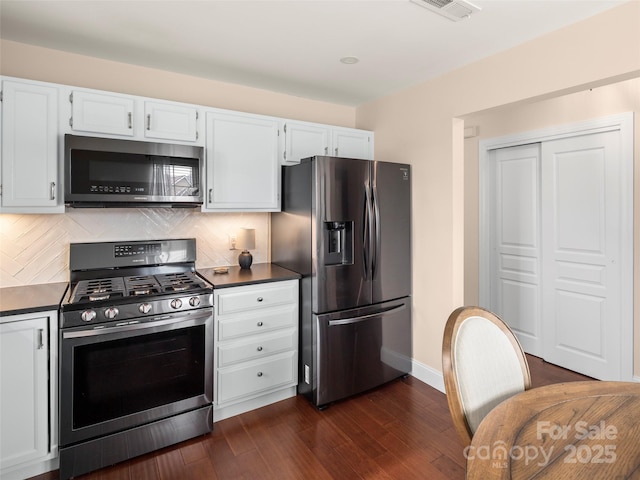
point(135, 326)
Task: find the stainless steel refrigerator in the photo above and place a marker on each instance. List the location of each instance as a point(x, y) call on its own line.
point(345, 226)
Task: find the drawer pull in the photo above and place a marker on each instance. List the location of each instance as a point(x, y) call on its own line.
point(260, 324)
point(260, 299)
point(259, 349)
point(259, 374)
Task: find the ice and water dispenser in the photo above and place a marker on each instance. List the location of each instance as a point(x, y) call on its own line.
point(338, 243)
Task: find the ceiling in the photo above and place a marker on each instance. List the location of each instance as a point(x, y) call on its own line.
point(290, 46)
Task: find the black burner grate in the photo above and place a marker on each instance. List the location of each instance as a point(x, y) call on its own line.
point(179, 282)
point(99, 289)
point(141, 285)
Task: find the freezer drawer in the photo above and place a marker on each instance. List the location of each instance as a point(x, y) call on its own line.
point(360, 349)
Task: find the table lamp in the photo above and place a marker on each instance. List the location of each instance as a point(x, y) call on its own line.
point(246, 241)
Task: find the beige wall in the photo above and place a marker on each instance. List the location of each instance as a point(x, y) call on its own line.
point(35, 248)
point(36, 63)
point(585, 105)
point(422, 126)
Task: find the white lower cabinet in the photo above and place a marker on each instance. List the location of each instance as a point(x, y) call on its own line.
point(28, 360)
point(256, 346)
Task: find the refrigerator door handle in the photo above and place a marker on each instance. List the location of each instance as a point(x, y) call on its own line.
point(348, 321)
point(366, 235)
point(376, 231)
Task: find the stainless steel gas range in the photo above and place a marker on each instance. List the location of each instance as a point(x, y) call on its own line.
point(136, 352)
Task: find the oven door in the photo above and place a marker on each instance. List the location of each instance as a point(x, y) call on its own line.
point(119, 377)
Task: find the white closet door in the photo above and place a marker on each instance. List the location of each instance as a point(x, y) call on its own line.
point(515, 256)
point(581, 225)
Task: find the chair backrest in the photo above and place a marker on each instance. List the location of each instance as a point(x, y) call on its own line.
point(483, 364)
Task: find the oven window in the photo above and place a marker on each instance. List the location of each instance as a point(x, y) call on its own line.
point(131, 375)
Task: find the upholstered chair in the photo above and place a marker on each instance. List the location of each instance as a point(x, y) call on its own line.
point(483, 364)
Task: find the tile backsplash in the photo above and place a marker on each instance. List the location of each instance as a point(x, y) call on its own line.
point(35, 248)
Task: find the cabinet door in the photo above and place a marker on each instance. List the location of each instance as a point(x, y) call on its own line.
point(102, 113)
point(243, 173)
point(29, 145)
point(352, 143)
point(304, 140)
point(24, 397)
point(170, 122)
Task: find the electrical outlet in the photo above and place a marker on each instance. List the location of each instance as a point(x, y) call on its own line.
point(232, 242)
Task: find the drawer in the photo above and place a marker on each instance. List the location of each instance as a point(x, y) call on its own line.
point(242, 381)
point(257, 322)
point(252, 297)
point(259, 347)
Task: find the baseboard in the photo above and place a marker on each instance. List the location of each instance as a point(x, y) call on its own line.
point(428, 375)
point(23, 471)
point(434, 378)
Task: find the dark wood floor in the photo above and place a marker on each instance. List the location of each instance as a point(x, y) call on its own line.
point(400, 431)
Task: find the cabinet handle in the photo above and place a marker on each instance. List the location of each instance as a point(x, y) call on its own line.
point(148, 121)
point(336, 150)
point(130, 120)
point(260, 324)
point(210, 193)
point(53, 190)
point(259, 349)
point(326, 150)
point(260, 299)
point(40, 339)
point(259, 374)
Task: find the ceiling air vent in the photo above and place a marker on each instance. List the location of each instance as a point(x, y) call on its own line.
point(455, 10)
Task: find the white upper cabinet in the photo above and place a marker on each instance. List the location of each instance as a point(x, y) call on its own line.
point(352, 143)
point(242, 169)
point(303, 139)
point(98, 113)
point(101, 113)
point(170, 122)
point(29, 174)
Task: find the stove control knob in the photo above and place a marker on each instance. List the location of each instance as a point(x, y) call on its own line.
point(194, 301)
point(88, 315)
point(176, 303)
point(111, 313)
point(144, 307)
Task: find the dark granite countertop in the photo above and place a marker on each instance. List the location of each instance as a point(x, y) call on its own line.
point(258, 273)
point(31, 298)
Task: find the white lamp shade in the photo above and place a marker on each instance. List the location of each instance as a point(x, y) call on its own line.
point(247, 238)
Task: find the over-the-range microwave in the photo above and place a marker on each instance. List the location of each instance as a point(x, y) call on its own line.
point(107, 172)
